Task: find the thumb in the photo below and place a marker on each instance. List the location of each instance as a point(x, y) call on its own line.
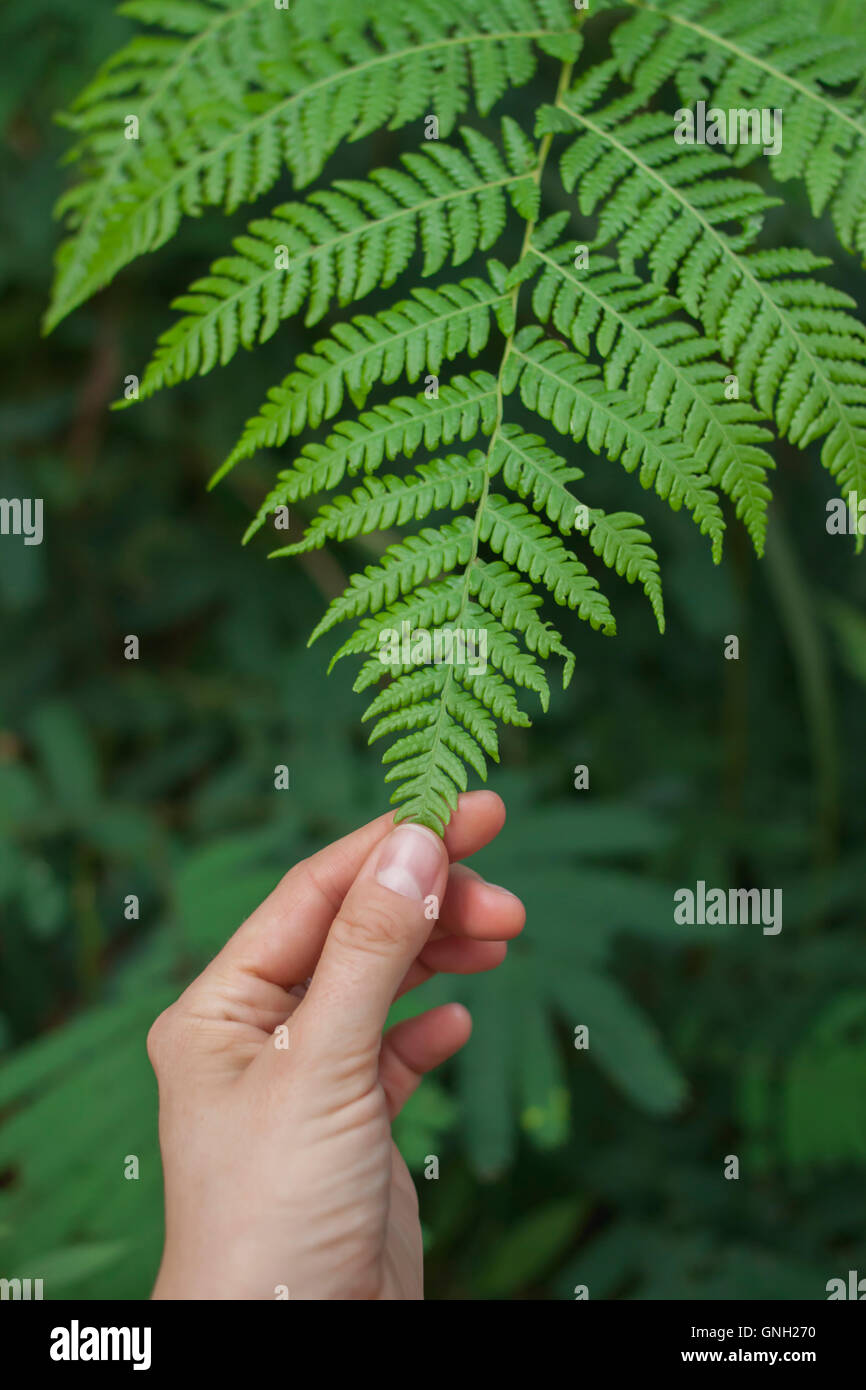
point(375, 937)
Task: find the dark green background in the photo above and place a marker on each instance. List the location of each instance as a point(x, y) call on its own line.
point(557, 1167)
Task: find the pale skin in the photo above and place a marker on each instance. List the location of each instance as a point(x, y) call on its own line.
point(281, 1175)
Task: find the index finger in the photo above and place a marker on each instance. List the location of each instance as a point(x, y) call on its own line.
point(281, 941)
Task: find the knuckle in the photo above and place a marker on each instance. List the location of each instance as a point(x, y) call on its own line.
point(377, 925)
point(162, 1037)
point(309, 872)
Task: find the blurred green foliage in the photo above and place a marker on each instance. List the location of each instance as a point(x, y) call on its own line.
point(154, 778)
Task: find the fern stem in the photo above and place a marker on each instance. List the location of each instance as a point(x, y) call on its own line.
point(537, 174)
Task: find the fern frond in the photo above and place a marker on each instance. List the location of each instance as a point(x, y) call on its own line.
point(213, 133)
point(496, 695)
point(429, 765)
point(440, 606)
point(409, 692)
point(791, 341)
point(497, 588)
point(632, 170)
point(468, 710)
point(469, 730)
point(340, 245)
point(523, 540)
point(489, 598)
point(431, 606)
point(529, 467)
point(457, 729)
point(673, 370)
point(414, 336)
point(431, 776)
point(737, 56)
point(617, 539)
point(462, 408)
point(402, 568)
point(413, 688)
point(664, 363)
point(566, 390)
point(505, 655)
point(502, 592)
point(487, 689)
point(206, 53)
point(449, 482)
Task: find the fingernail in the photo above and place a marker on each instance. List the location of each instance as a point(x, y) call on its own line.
point(409, 861)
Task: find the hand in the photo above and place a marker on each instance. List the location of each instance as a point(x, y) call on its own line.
point(281, 1177)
